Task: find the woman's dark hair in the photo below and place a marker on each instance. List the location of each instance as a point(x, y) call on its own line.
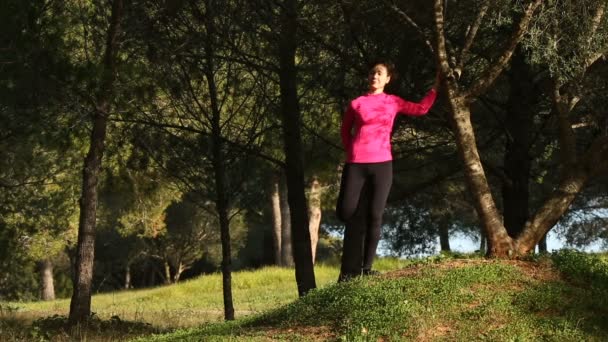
point(390, 68)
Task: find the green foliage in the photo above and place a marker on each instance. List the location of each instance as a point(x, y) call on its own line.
point(39, 142)
point(17, 271)
point(585, 270)
point(586, 224)
point(563, 36)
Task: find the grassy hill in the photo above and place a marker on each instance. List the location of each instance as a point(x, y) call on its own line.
point(190, 302)
point(559, 298)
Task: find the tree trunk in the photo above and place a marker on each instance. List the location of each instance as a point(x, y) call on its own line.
point(151, 271)
point(483, 248)
point(574, 171)
point(499, 242)
point(291, 122)
point(167, 269)
point(221, 205)
point(542, 245)
point(593, 163)
point(286, 247)
point(552, 210)
point(518, 124)
point(219, 167)
point(178, 272)
point(276, 220)
point(80, 305)
point(47, 284)
point(128, 277)
point(314, 212)
point(444, 236)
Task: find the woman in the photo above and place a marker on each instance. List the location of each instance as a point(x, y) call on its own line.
point(367, 174)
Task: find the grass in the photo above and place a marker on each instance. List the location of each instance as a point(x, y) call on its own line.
point(189, 303)
point(562, 297)
point(441, 299)
point(253, 291)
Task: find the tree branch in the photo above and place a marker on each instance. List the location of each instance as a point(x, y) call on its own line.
point(596, 157)
point(566, 137)
point(490, 75)
point(472, 32)
point(441, 52)
point(348, 20)
point(595, 24)
point(597, 19)
point(412, 23)
point(245, 149)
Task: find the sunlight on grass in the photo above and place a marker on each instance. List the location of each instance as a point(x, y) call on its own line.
point(190, 302)
point(442, 298)
point(558, 297)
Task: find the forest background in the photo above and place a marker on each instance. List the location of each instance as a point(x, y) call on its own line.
point(147, 142)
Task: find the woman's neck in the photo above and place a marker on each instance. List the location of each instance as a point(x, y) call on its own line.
point(374, 91)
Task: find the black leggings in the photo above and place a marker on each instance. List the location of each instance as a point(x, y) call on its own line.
point(364, 190)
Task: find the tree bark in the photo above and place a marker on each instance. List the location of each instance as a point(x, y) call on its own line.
point(518, 124)
point(178, 272)
point(219, 164)
point(574, 174)
point(500, 243)
point(488, 77)
point(592, 163)
point(286, 246)
point(276, 220)
point(128, 277)
point(542, 245)
point(80, 305)
point(167, 269)
point(314, 212)
point(444, 237)
point(552, 210)
point(291, 122)
point(47, 284)
point(483, 243)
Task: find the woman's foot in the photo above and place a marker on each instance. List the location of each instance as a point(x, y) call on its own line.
point(346, 277)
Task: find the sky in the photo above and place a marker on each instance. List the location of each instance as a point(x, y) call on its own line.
point(462, 243)
point(465, 244)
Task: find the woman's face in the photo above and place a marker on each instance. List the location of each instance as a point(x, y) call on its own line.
point(378, 77)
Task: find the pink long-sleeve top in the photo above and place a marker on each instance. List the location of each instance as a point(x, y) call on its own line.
point(368, 122)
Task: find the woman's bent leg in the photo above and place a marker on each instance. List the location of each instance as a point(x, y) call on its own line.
point(353, 180)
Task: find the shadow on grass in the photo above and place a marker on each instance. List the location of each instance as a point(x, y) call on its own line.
point(19, 328)
point(567, 310)
point(577, 303)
